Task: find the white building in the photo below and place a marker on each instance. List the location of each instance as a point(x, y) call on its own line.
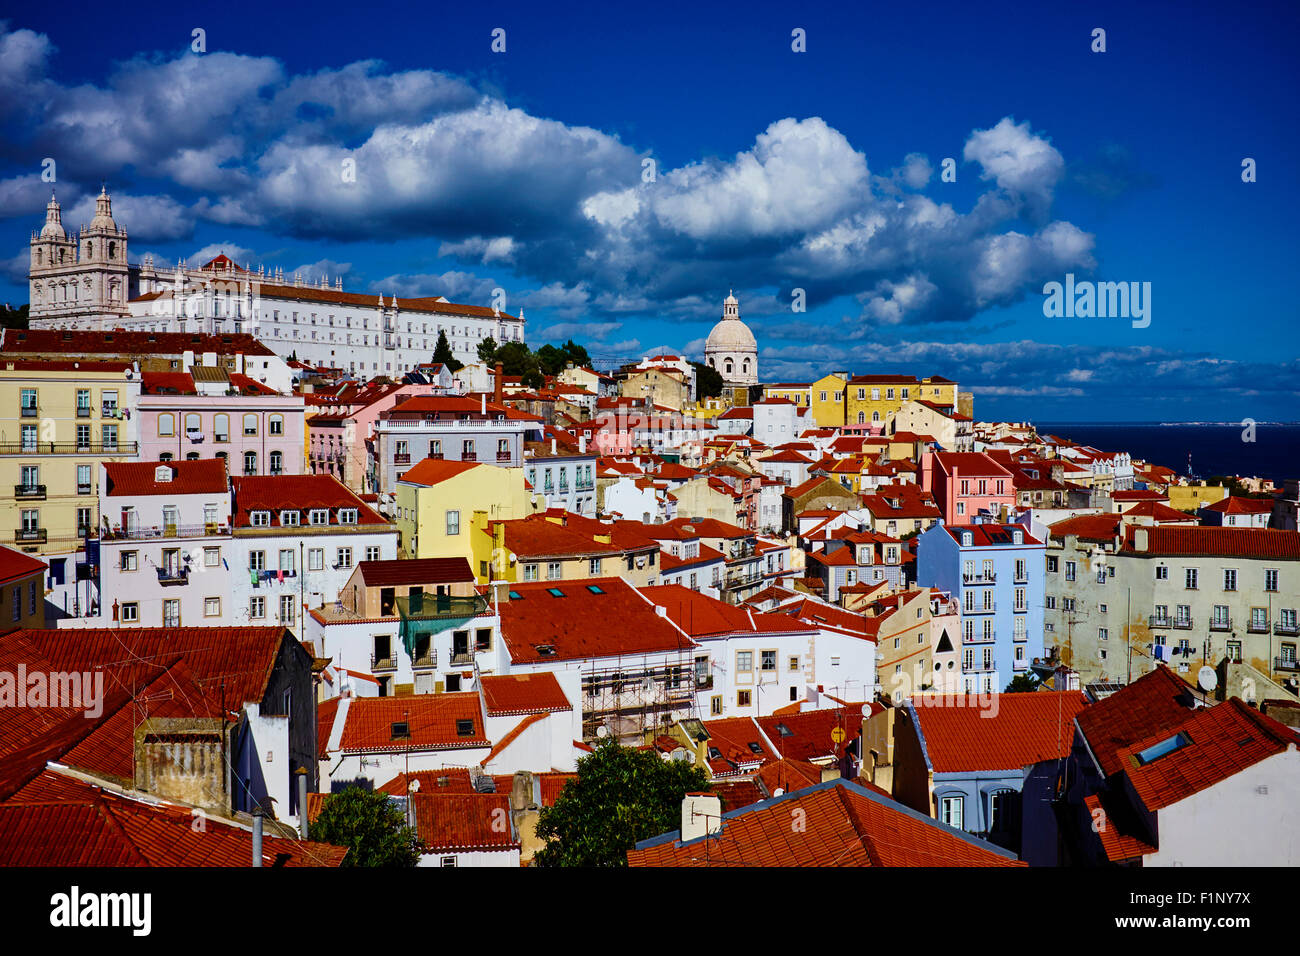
point(731, 347)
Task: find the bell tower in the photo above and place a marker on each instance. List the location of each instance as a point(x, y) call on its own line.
point(80, 281)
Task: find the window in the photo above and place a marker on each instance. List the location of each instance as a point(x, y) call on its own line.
point(1162, 573)
point(318, 516)
point(250, 462)
point(1270, 579)
point(166, 425)
point(286, 560)
point(290, 519)
point(372, 552)
point(347, 516)
point(593, 567)
point(715, 706)
point(130, 560)
point(259, 519)
point(221, 427)
point(530, 572)
point(250, 424)
point(212, 557)
point(1070, 569)
point(1103, 634)
point(212, 607)
point(1052, 564)
point(315, 559)
point(1189, 578)
point(275, 425)
point(768, 660)
point(794, 661)
point(277, 466)
point(742, 698)
point(257, 560)
point(554, 570)
point(171, 616)
point(130, 611)
point(453, 522)
point(286, 610)
point(257, 608)
point(1229, 579)
point(343, 558)
point(744, 661)
point(951, 811)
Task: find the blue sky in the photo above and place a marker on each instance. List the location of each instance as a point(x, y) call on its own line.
point(775, 170)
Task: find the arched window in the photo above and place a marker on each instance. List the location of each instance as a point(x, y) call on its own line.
point(221, 427)
point(275, 425)
point(250, 462)
point(166, 425)
point(222, 455)
point(862, 418)
point(60, 255)
point(277, 462)
point(112, 249)
point(38, 257)
point(727, 366)
point(875, 416)
point(192, 456)
point(745, 366)
point(250, 424)
point(193, 423)
point(90, 250)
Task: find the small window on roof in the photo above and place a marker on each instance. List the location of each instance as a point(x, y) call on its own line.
point(1156, 751)
point(401, 730)
point(464, 728)
point(515, 596)
point(755, 747)
point(594, 589)
point(555, 592)
point(784, 731)
point(715, 753)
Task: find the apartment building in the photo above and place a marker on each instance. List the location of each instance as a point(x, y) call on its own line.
point(995, 573)
point(442, 506)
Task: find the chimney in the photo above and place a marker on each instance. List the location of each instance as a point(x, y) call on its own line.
point(701, 815)
point(302, 802)
point(499, 385)
point(552, 444)
point(582, 444)
point(483, 403)
point(257, 835)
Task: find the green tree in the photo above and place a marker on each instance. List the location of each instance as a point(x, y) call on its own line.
point(1022, 683)
point(11, 318)
point(708, 381)
point(371, 826)
point(620, 796)
point(487, 351)
point(575, 353)
point(442, 353)
point(550, 359)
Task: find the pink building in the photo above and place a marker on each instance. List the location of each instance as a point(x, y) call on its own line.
point(209, 413)
point(340, 425)
point(967, 484)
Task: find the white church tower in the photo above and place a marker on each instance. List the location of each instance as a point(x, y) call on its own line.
point(82, 281)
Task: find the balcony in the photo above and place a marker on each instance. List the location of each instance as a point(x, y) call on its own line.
point(469, 456)
point(1287, 630)
point(388, 663)
point(110, 411)
point(30, 411)
point(83, 411)
point(584, 486)
point(29, 492)
point(169, 577)
point(402, 458)
point(135, 533)
point(504, 456)
point(1289, 664)
point(703, 683)
point(429, 658)
point(432, 606)
point(436, 455)
point(30, 535)
point(1258, 627)
point(1221, 624)
point(68, 448)
point(1181, 623)
point(981, 577)
point(742, 580)
point(83, 488)
point(992, 608)
point(463, 659)
point(1159, 620)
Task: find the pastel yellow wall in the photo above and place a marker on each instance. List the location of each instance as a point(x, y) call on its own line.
point(495, 493)
point(1191, 497)
point(56, 421)
point(830, 412)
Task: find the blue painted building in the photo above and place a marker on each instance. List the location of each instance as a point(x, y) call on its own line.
point(997, 574)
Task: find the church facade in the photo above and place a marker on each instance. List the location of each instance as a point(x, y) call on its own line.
point(86, 282)
point(733, 351)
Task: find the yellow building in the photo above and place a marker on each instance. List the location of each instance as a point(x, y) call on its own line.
point(790, 391)
point(561, 546)
point(873, 400)
point(442, 505)
point(1193, 497)
point(827, 400)
point(659, 386)
point(59, 420)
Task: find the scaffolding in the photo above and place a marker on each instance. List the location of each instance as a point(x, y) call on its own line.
point(635, 698)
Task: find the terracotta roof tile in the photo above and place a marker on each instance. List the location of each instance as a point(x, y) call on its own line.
point(971, 735)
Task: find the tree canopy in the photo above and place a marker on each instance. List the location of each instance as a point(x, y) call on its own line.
point(517, 359)
point(620, 796)
point(708, 381)
point(1022, 683)
point(370, 825)
point(442, 353)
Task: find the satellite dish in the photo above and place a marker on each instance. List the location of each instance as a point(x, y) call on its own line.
point(866, 708)
point(1207, 678)
point(602, 731)
point(778, 791)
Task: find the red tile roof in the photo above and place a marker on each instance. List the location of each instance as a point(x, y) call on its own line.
point(740, 745)
point(1089, 527)
point(1222, 741)
point(119, 342)
point(969, 463)
point(523, 694)
point(432, 719)
point(844, 825)
point(539, 626)
point(970, 734)
point(1150, 705)
point(202, 477)
point(991, 535)
point(451, 822)
point(1174, 541)
point(275, 493)
point(415, 571)
point(807, 735)
point(702, 616)
point(1234, 505)
point(433, 471)
point(14, 565)
point(66, 822)
point(445, 780)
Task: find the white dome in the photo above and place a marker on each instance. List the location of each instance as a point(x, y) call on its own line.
point(731, 335)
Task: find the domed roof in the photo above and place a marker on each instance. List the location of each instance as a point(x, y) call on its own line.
point(731, 335)
point(53, 227)
point(103, 212)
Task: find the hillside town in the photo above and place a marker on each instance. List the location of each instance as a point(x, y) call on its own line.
point(269, 542)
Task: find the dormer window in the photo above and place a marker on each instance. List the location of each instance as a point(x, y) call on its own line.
point(318, 516)
point(290, 519)
point(162, 473)
point(1018, 537)
point(347, 516)
point(260, 519)
point(967, 539)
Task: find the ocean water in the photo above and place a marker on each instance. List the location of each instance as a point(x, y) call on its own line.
point(1216, 448)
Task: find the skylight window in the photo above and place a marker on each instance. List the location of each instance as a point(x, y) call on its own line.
point(515, 596)
point(595, 589)
point(755, 747)
point(555, 592)
point(715, 753)
point(464, 728)
point(401, 730)
point(1165, 747)
point(784, 731)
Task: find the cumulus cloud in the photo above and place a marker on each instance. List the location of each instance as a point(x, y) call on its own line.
point(1023, 164)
